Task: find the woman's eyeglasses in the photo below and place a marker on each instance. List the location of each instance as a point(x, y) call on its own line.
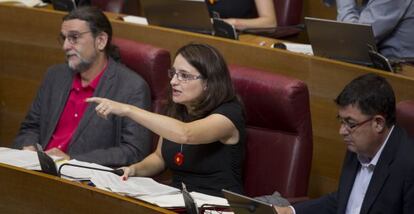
point(182, 76)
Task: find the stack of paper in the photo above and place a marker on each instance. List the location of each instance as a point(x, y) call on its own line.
point(134, 186)
point(148, 190)
point(299, 48)
point(177, 200)
point(143, 188)
point(27, 3)
point(21, 158)
point(135, 20)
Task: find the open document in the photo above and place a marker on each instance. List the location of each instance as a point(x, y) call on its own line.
point(142, 188)
point(135, 20)
point(27, 3)
point(148, 190)
point(21, 158)
point(299, 48)
point(177, 200)
point(134, 186)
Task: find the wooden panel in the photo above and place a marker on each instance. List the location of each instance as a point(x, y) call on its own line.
point(22, 67)
point(316, 8)
point(24, 191)
point(27, 49)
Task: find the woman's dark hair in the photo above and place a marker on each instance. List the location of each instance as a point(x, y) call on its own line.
point(372, 94)
point(214, 71)
point(98, 23)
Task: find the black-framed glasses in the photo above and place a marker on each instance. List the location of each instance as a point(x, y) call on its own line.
point(72, 37)
point(182, 75)
point(352, 126)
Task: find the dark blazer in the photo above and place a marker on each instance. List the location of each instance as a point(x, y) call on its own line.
point(391, 189)
point(116, 141)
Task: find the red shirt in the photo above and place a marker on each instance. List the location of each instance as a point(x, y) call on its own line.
point(73, 112)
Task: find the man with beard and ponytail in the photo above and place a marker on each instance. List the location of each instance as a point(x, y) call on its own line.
point(59, 118)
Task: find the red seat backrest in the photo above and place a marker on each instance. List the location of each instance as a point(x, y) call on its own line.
point(115, 6)
point(405, 116)
point(152, 63)
point(279, 132)
point(288, 12)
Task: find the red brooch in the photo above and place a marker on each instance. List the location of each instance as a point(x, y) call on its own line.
point(178, 158)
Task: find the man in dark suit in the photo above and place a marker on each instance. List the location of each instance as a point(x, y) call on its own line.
point(63, 123)
point(378, 170)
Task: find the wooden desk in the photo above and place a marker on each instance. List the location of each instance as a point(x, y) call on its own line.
point(28, 45)
point(24, 191)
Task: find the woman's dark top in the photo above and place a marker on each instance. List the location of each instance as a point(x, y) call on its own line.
point(209, 168)
point(233, 8)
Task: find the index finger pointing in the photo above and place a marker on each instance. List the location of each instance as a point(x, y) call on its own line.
point(94, 100)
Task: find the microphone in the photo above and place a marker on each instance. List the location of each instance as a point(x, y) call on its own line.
point(118, 172)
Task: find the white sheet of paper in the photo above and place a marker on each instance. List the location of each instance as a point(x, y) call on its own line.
point(299, 48)
point(176, 200)
point(135, 20)
point(21, 158)
point(134, 186)
point(27, 3)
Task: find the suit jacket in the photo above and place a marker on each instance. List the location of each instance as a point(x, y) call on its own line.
point(116, 141)
point(391, 189)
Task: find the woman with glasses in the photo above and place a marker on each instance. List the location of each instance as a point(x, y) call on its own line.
point(202, 133)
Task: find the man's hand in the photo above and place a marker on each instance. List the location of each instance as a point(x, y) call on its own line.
point(58, 152)
point(29, 148)
point(283, 210)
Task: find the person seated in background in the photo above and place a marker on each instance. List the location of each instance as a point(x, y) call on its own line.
point(378, 170)
point(63, 123)
point(392, 22)
point(202, 136)
point(240, 13)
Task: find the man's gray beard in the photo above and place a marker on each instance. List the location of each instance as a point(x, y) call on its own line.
point(83, 65)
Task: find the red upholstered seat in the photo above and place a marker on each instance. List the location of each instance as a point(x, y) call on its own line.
point(115, 6)
point(151, 63)
point(288, 12)
point(279, 132)
point(289, 17)
point(405, 115)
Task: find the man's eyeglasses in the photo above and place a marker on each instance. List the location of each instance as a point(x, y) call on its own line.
point(182, 76)
point(352, 126)
point(72, 37)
